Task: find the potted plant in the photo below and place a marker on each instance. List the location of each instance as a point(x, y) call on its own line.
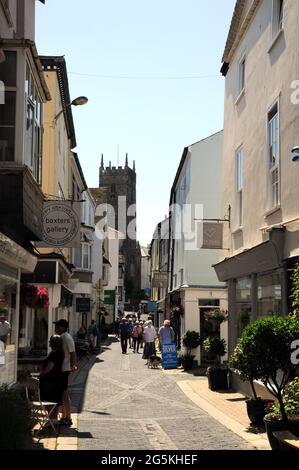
point(267, 344)
point(217, 375)
point(190, 340)
point(216, 316)
point(242, 364)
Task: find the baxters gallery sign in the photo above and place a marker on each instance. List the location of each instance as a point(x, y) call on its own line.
point(61, 226)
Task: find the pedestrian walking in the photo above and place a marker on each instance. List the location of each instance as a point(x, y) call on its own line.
point(51, 376)
point(92, 333)
point(124, 331)
point(130, 337)
point(137, 336)
point(69, 365)
point(4, 330)
point(149, 335)
point(166, 334)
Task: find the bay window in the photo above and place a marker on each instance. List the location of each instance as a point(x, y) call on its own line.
point(8, 77)
point(33, 135)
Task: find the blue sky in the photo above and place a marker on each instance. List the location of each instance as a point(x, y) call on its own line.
point(153, 115)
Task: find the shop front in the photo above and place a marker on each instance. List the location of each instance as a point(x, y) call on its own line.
point(257, 284)
point(13, 261)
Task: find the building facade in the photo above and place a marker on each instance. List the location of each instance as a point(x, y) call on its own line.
point(261, 126)
point(23, 92)
point(195, 197)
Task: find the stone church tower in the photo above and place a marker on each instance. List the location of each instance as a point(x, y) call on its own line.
point(118, 188)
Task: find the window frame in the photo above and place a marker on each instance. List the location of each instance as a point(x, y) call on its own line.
point(242, 74)
point(12, 89)
point(240, 182)
point(278, 17)
point(33, 99)
point(273, 164)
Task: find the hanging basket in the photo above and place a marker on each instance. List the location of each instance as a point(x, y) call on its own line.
point(34, 296)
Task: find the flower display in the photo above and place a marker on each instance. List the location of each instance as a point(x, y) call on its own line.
point(217, 315)
point(34, 296)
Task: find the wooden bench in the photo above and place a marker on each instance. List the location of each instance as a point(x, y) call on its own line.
point(287, 438)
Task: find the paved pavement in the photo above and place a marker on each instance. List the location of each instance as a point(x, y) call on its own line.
point(130, 407)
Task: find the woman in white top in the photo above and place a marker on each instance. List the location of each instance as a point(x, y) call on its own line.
point(149, 334)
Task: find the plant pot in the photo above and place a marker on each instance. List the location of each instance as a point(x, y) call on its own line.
point(187, 362)
point(217, 378)
point(256, 411)
point(272, 426)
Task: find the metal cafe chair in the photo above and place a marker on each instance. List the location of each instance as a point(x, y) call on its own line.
point(41, 410)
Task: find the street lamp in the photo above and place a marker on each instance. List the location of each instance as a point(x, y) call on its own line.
point(295, 152)
point(80, 101)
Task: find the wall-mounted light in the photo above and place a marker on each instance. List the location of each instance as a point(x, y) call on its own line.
point(80, 101)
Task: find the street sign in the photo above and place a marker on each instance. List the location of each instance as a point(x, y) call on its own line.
point(83, 305)
point(109, 297)
point(169, 356)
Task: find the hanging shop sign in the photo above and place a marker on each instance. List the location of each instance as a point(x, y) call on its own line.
point(160, 279)
point(82, 305)
point(212, 236)
point(109, 297)
point(61, 226)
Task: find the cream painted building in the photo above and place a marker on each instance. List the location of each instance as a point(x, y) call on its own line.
point(196, 194)
point(260, 180)
point(21, 198)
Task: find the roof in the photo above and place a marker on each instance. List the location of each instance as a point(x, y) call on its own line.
point(77, 161)
point(58, 64)
point(238, 26)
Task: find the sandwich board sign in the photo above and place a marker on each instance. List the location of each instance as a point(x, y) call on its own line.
point(169, 356)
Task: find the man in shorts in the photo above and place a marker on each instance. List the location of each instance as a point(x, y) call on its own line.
point(69, 365)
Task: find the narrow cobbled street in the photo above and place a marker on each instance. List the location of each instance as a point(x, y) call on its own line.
point(128, 406)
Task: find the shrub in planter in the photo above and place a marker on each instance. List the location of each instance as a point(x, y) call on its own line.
point(217, 375)
point(15, 426)
point(267, 345)
point(244, 366)
point(190, 340)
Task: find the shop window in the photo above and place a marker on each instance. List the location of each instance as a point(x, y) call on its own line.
point(8, 289)
point(243, 303)
point(269, 294)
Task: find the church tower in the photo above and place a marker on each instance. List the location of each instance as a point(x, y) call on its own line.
point(118, 184)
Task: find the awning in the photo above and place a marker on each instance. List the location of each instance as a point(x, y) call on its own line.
point(106, 261)
point(264, 257)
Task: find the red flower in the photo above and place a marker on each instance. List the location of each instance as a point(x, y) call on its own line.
point(34, 296)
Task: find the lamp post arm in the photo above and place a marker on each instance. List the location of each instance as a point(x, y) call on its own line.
point(62, 110)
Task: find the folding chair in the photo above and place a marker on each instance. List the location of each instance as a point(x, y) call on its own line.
point(40, 413)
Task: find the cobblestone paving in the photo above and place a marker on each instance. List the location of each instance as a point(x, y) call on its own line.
point(128, 406)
